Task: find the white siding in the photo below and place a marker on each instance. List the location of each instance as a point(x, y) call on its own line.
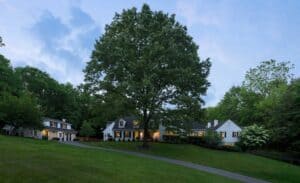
point(46, 123)
point(108, 131)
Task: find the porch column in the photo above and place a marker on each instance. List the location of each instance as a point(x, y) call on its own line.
point(131, 134)
point(122, 135)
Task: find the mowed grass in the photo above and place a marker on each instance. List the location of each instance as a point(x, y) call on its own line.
point(246, 164)
point(28, 160)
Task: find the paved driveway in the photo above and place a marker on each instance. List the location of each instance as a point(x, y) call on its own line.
point(203, 168)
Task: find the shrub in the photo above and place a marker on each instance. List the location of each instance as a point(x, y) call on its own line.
point(253, 137)
point(76, 139)
point(195, 140)
point(55, 138)
point(212, 138)
point(175, 139)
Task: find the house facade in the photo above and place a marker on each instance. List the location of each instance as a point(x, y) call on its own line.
point(53, 129)
point(228, 130)
point(129, 129)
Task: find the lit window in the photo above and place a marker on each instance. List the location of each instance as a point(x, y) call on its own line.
point(223, 134)
point(127, 133)
point(117, 134)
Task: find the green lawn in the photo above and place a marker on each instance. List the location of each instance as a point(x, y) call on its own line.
point(28, 160)
point(243, 163)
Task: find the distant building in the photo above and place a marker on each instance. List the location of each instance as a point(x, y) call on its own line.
point(127, 129)
point(130, 129)
point(53, 129)
point(228, 130)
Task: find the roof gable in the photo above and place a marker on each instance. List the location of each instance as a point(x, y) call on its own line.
point(228, 125)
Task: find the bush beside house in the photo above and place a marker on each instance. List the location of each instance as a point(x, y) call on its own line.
point(253, 137)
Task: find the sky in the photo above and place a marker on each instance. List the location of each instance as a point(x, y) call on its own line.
point(58, 36)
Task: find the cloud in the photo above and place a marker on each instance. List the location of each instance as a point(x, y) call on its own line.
point(53, 43)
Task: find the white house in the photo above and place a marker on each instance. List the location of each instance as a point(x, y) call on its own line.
point(129, 129)
point(52, 128)
point(108, 131)
point(228, 130)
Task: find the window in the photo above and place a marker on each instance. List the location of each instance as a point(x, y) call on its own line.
point(117, 134)
point(223, 134)
point(235, 134)
point(121, 123)
point(127, 134)
point(64, 126)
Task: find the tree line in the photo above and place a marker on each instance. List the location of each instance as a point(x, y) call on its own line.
point(27, 94)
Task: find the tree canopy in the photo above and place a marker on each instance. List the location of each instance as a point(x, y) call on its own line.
point(148, 59)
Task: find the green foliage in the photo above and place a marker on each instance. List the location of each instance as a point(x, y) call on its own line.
point(86, 129)
point(56, 100)
point(267, 97)
point(286, 116)
point(212, 138)
point(253, 137)
point(238, 104)
point(8, 80)
point(21, 111)
point(148, 60)
point(268, 75)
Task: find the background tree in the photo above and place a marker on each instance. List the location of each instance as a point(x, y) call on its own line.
point(56, 100)
point(8, 81)
point(238, 104)
point(86, 129)
point(22, 111)
point(148, 59)
point(286, 117)
point(268, 75)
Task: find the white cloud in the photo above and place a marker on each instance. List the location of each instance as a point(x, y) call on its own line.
point(64, 57)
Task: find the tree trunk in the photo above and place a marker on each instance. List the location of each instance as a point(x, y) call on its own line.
point(146, 133)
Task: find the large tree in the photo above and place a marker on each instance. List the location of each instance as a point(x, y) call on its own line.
point(148, 59)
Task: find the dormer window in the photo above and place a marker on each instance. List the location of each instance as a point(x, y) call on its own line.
point(122, 123)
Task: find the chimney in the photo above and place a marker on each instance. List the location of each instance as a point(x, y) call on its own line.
point(208, 125)
point(64, 120)
point(216, 122)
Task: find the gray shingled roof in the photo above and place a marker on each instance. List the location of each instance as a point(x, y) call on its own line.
point(128, 125)
point(217, 126)
point(54, 120)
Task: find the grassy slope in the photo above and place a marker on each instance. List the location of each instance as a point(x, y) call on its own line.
point(27, 160)
point(246, 164)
